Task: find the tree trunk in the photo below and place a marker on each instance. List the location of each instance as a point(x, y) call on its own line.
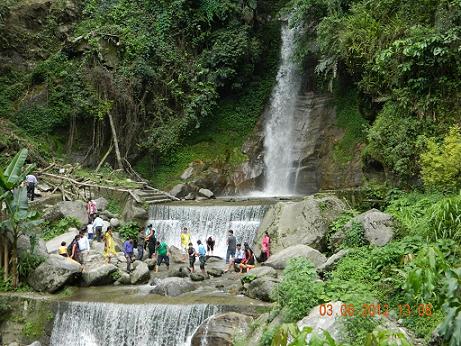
point(5, 258)
point(114, 136)
point(14, 261)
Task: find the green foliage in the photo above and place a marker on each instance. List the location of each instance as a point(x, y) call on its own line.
point(116, 275)
point(27, 263)
point(114, 206)
point(55, 229)
point(129, 230)
point(382, 337)
point(290, 335)
point(450, 328)
point(248, 279)
point(440, 164)
point(445, 219)
point(354, 236)
point(299, 290)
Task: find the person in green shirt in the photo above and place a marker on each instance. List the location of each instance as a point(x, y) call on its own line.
point(162, 255)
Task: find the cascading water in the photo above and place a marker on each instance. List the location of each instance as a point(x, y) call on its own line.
point(205, 221)
point(100, 324)
point(280, 124)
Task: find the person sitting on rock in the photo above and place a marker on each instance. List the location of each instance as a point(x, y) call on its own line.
point(249, 261)
point(202, 256)
point(191, 252)
point(239, 256)
point(162, 255)
point(62, 250)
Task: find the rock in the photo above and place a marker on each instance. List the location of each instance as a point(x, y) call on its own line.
point(261, 288)
point(173, 287)
point(177, 255)
point(150, 263)
point(222, 329)
point(190, 196)
point(206, 193)
point(54, 273)
point(280, 260)
point(201, 198)
point(133, 212)
point(332, 324)
point(196, 277)
point(259, 272)
point(124, 279)
point(187, 173)
point(35, 343)
point(63, 209)
point(332, 261)
point(104, 275)
point(140, 274)
point(305, 222)
point(106, 214)
point(101, 203)
point(181, 272)
point(377, 227)
point(53, 244)
point(24, 245)
point(44, 187)
point(114, 222)
point(215, 272)
point(179, 190)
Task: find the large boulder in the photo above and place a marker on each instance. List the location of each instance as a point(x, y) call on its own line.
point(261, 288)
point(173, 286)
point(332, 324)
point(134, 212)
point(177, 255)
point(101, 203)
point(140, 274)
point(180, 190)
point(206, 193)
point(104, 275)
point(305, 222)
point(280, 260)
point(63, 209)
point(222, 329)
point(53, 244)
point(259, 272)
point(54, 273)
point(114, 222)
point(332, 261)
point(378, 228)
point(24, 245)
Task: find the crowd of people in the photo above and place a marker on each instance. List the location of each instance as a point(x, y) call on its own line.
point(238, 257)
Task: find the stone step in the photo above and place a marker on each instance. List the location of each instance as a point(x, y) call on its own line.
point(167, 199)
point(155, 198)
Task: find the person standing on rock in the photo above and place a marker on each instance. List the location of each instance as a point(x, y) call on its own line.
point(202, 256)
point(31, 182)
point(185, 240)
point(91, 210)
point(109, 245)
point(141, 242)
point(265, 248)
point(98, 224)
point(162, 255)
point(129, 252)
point(151, 241)
point(192, 254)
point(84, 246)
point(231, 246)
point(74, 250)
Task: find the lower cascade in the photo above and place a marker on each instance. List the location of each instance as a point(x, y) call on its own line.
point(100, 324)
point(205, 221)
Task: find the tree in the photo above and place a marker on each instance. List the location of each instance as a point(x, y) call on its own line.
point(16, 218)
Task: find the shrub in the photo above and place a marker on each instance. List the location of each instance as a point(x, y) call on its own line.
point(441, 163)
point(299, 291)
point(54, 229)
point(27, 264)
point(354, 236)
point(129, 230)
point(445, 219)
point(450, 328)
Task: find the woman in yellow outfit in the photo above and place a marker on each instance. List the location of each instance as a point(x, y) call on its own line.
point(185, 240)
point(109, 244)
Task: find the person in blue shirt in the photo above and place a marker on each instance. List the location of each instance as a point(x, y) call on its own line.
point(128, 251)
point(202, 256)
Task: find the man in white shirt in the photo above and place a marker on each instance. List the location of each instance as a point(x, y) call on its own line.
point(31, 181)
point(98, 224)
point(84, 246)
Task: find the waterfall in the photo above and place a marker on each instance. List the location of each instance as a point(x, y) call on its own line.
point(280, 125)
point(205, 221)
point(100, 324)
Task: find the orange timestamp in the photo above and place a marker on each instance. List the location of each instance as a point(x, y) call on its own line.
point(371, 310)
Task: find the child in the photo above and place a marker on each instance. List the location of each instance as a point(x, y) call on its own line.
point(191, 252)
point(63, 249)
point(202, 256)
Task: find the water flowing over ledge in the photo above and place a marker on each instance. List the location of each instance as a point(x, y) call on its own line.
point(106, 324)
point(205, 221)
